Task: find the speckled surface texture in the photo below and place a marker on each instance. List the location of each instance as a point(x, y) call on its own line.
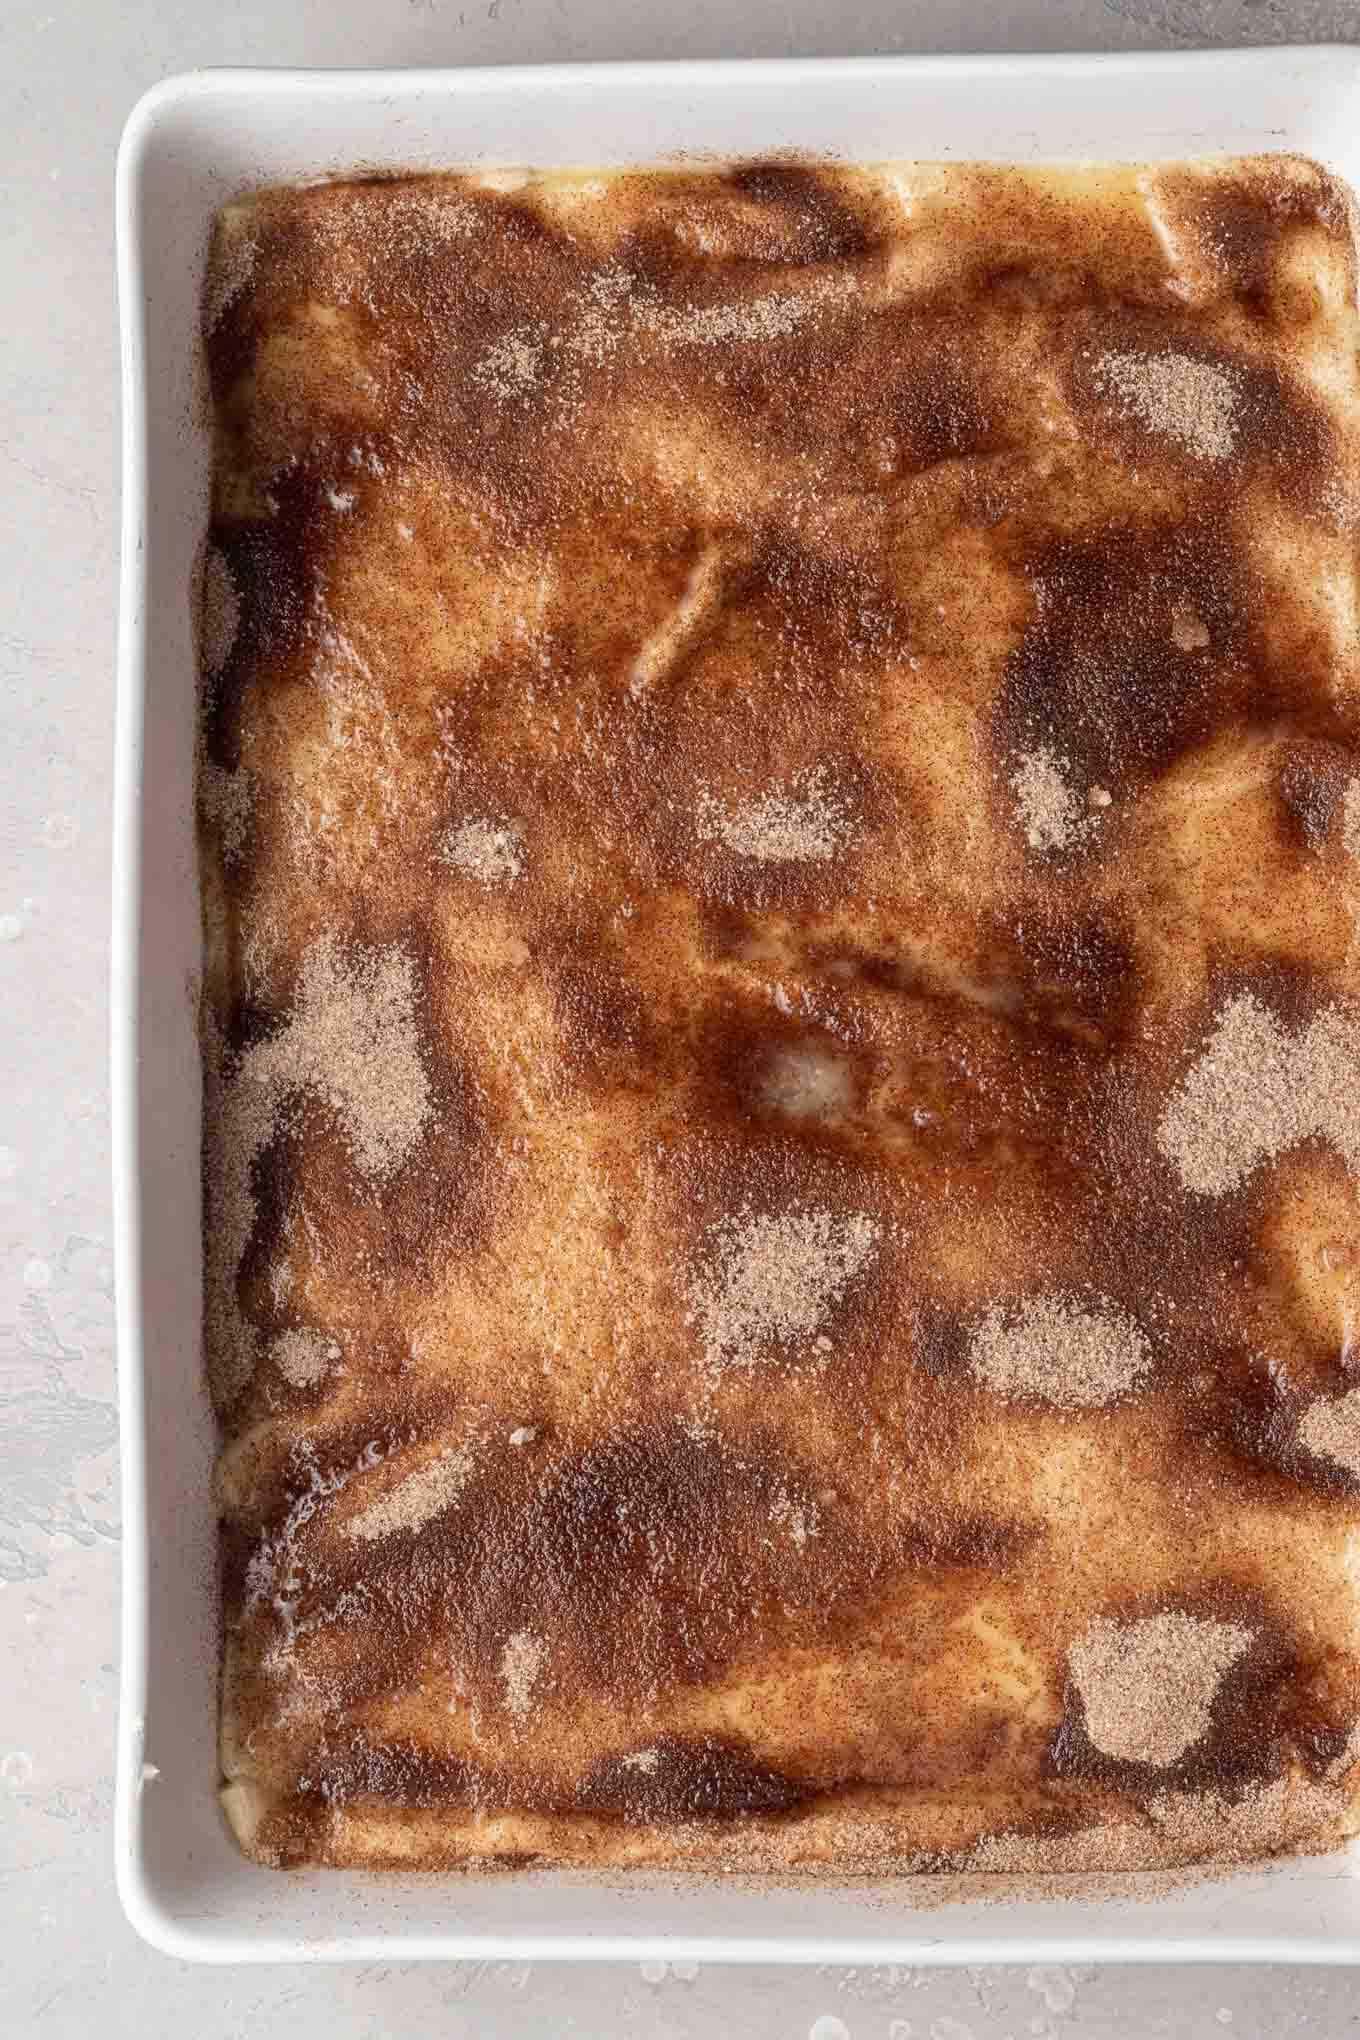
point(72, 1966)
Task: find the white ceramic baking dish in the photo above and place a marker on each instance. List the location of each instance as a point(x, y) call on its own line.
point(189, 144)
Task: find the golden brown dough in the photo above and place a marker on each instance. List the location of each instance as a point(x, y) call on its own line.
point(780, 810)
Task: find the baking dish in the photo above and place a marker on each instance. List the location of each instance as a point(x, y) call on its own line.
point(191, 143)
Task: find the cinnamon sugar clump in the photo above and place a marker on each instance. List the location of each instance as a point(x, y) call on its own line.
point(1190, 402)
point(491, 852)
point(601, 328)
point(1237, 1105)
point(513, 367)
point(802, 1520)
point(220, 613)
point(764, 318)
point(424, 1494)
point(1257, 1089)
point(353, 1041)
point(774, 1281)
point(1148, 1687)
point(409, 221)
point(808, 824)
point(1350, 819)
point(1189, 632)
point(303, 1355)
point(1330, 1428)
point(1053, 815)
point(521, 1664)
point(352, 1044)
point(227, 799)
point(1073, 1353)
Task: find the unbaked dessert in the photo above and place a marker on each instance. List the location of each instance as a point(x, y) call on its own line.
point(780, 821)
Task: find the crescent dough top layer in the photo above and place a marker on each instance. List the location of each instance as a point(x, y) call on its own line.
point(780, 827)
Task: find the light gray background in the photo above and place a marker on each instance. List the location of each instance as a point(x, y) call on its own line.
point(68, 1963)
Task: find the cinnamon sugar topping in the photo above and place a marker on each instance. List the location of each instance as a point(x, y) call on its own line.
point(1053, 815)
point(1330, 1428)
point(350, 1043)
point(513, 367)
point(489, 851)
point(231, 265)
point(745, 712)
point(228, 800)
point(221, 613)
point(1350, 819)
point(1210, 1827)
point(1113, 1847)
point(771, 1283)
point(413, 1502)
point(1147, 1687)
point(1061, 1349)
point(807, 824)
point(772, 317)
point(303, 1356)
point(1257, 1089)
point(1190, 402)
point(521, 1665)
point(352, 1040)
point(1178, 1828)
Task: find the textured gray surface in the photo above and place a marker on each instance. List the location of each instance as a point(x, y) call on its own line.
point(71, 1966)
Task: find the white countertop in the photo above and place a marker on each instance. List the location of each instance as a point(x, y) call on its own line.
point(72, 1966)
